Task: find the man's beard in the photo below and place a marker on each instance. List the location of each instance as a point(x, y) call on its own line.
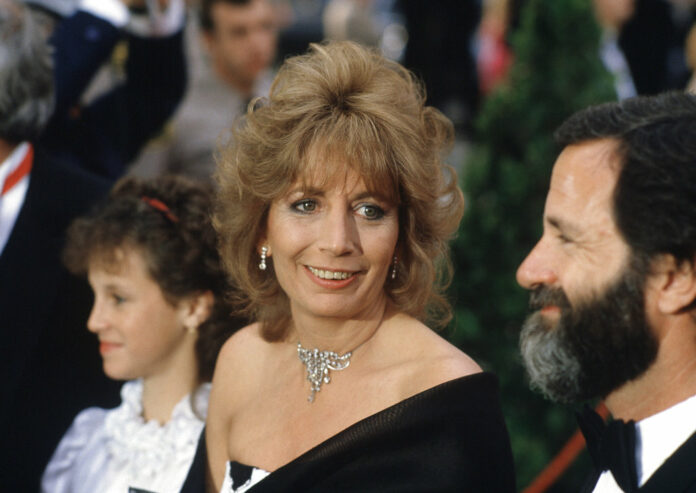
point(595, 347)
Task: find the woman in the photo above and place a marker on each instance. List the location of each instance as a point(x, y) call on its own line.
point(150, 255)
point(334, 212)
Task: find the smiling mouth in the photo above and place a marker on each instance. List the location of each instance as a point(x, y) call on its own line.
point(106, 347)
point(329, 274)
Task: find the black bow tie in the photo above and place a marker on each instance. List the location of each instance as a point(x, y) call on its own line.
point(611, 446)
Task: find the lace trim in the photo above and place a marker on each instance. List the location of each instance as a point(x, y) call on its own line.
point(145, 448)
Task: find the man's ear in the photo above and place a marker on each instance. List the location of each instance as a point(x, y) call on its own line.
point(196, 309)
point(675, 283)
point(208, 41)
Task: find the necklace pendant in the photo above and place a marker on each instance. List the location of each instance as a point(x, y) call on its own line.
point(318, 364)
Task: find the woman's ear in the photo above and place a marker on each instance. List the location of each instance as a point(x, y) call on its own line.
point(196, 309)
point(675, 284)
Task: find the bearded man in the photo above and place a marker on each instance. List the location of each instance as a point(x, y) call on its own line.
point(613, 286)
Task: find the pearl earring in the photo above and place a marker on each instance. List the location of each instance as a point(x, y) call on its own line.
point(262, 264)
point(393, 272)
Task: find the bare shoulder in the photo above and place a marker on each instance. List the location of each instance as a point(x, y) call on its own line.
point(424, 359)
point(443, 360)
point(237, 362)
point(231, 386)
point(239, 348)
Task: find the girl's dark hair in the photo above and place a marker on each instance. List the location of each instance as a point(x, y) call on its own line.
point(168, 220)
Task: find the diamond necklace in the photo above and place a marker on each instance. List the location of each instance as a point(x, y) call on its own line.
point(319, 363)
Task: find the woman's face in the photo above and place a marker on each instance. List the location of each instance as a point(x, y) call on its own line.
point(140, 333)
point(332, 245)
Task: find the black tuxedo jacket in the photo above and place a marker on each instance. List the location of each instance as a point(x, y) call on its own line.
point(106, 134)
point(676, 475)
point(50, 363)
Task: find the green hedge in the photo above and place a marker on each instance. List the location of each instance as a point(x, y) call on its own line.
point(556, 72)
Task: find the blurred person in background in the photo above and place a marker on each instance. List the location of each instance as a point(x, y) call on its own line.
point(493, 53)
point(611, 16)
point(653, 42)
point(150, 254)
point(613, 281)
point(105, 132)
point(690, 50)
point(50, 366)
point(239, 37)
point(643, 43)
point(441, 50)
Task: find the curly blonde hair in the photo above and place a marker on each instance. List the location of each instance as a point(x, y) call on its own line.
point(341, 99)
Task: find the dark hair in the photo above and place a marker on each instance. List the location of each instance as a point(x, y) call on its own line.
point(26, 74)
point(341, 99)
point(655, 194)
point(168, 220)
point(206, 19)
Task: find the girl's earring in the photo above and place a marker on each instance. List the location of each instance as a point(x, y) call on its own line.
point(393, 272)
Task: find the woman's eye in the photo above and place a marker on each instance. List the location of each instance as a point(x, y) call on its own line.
point(305, 205)
point(371, 211)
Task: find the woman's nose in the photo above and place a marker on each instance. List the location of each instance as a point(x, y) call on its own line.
point(339, 234)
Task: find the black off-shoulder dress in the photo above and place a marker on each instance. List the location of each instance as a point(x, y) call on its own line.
point(449, 438)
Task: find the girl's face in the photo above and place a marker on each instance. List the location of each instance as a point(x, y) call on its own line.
point(140, 333)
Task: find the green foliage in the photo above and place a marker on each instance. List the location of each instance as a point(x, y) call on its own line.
point(557, 71)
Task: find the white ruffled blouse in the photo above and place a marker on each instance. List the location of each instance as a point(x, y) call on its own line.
point(112, 450)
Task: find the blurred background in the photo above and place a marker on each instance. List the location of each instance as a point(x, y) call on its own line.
point(507, 73)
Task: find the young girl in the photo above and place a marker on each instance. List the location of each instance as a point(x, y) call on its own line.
point(150, 256)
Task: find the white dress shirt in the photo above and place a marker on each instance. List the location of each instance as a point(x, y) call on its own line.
point(11, 202)
point(615, 62)
point(657, 438)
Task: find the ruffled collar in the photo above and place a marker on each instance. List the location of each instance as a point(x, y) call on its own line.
point(145, 448)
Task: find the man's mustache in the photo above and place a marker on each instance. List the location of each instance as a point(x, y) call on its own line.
point(547, 296)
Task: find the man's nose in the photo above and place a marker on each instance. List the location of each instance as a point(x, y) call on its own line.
point(536, 269)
